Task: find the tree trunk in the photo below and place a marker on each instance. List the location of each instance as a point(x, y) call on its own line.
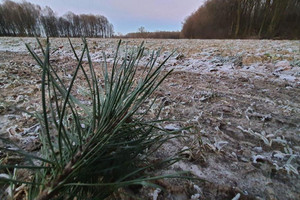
point(238, 18)
point(267, 8)
point(280, 7)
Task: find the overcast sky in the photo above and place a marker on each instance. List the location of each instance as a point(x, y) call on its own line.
point(129, 15)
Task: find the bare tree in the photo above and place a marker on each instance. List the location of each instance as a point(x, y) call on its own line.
point(26, 19)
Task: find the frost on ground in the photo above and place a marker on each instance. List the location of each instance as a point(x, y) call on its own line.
point(240, 96)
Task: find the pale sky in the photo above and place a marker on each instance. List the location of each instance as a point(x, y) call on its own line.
point(129, 15)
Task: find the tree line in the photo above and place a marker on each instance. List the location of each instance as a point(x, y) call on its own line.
point(27, 19)
point(244, 19)
point(154, 35)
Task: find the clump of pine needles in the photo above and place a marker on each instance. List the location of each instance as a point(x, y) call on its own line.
point(90, 150)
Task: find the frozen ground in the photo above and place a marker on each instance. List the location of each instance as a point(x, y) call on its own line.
point(241, 97)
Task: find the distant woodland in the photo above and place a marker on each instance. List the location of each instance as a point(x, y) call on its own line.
point(215, 19)
point(244, 19)
point(154, 35)
point(26, 19)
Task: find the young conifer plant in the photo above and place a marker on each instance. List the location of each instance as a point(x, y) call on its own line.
point(89, 150)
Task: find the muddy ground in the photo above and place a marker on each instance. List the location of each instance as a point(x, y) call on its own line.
point(245, 140)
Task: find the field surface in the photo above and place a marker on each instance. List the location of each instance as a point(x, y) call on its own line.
point(242, 98)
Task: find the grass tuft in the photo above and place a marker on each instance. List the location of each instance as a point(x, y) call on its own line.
point(91, 150)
